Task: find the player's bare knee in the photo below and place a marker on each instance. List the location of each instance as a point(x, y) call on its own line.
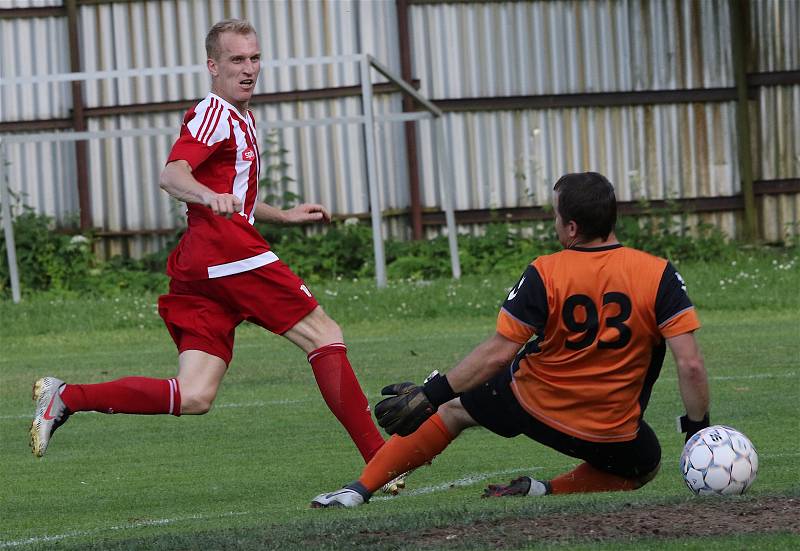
point(204, 407)
point(196, 403)
point(315, 330)
point(455, 416)
point(328, 330)
point(196, 408)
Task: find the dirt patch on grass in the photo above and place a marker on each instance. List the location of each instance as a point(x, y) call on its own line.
point(703, 517)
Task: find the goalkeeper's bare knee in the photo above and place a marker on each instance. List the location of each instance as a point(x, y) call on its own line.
point(455, 417)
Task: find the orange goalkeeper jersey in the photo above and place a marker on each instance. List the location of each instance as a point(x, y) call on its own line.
point(594, 320)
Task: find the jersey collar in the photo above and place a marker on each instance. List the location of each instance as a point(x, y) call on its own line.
point(596, 249)
point(229, 105)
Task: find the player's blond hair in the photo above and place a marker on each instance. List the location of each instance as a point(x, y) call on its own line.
point(238, 26)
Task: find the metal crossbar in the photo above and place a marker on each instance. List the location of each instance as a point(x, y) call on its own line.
point(169, 71)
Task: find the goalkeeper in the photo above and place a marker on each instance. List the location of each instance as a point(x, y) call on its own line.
point(579, 344)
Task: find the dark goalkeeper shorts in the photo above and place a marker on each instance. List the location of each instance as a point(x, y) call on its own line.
point(494, 406)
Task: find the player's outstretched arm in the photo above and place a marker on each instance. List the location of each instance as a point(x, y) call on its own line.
point(410, 405)
point(177, 180)
point(301, 214)
point(692, 381)
point(483, 363)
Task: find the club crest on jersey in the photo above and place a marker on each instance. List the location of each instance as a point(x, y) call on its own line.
point(248, 154)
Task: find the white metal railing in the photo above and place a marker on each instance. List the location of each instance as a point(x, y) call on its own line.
point(441, 154)
point(169, 71)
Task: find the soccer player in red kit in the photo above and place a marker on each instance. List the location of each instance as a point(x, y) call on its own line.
point(578, 346)
point(222, 272)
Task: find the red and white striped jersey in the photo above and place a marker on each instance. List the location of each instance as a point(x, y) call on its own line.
point(221, 146)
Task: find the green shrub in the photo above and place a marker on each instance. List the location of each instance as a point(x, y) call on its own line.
point(46, 259)
point(342, 250)
point(66, 264)
point(346, 251)
point(506, 248)
point(418, 260)
point(63, 264)
point(667, 233)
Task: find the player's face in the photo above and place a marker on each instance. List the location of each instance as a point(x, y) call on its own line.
point(235, 73)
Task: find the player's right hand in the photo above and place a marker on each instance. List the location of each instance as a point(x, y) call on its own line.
point(224, 204)
point(406, 409)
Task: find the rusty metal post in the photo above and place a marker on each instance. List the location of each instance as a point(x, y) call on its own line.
point(79, 117)
point(404, 37)
point(739, 30)
point(8, 228)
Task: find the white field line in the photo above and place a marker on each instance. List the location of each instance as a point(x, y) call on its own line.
point(243, 346)
point(260, 403)
point(127, 526)
point(789, 375)
point(471, 479)
point(468, 480)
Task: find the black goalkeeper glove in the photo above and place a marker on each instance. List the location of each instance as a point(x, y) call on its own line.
point(410, 405)
point(690, 428)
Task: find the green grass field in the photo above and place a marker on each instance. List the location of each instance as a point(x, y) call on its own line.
point(242, 476)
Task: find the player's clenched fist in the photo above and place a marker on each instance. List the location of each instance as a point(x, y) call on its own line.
point(223, 203)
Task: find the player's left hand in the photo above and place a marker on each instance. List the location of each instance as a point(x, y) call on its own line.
point(307, 212)
point(405, 411)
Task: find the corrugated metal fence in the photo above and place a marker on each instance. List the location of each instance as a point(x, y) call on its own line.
point(642, 91)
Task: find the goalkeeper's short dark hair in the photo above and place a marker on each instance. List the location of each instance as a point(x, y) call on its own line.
point(588, 199)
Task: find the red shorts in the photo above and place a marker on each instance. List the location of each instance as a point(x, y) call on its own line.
point(202, 315)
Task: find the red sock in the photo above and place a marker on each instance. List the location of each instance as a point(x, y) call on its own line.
point(403, 453)
point(343, 394)
point(140, 395)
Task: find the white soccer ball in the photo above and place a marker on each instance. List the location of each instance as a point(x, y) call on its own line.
point(719, 460)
